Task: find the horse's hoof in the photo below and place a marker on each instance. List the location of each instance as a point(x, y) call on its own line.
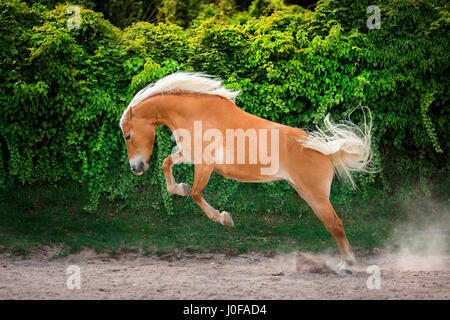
point(187, 189)
point(227, 220)
point(343, 270)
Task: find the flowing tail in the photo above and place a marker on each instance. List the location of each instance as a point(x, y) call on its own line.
point(347, 145)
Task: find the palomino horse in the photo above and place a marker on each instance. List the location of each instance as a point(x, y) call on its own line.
point(198, 106)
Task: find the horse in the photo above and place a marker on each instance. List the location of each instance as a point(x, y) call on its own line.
point(200, 112)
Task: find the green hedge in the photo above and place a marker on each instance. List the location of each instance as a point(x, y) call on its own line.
point(63, 90)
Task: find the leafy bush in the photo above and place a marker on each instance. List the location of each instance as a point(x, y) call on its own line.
point(63, 90)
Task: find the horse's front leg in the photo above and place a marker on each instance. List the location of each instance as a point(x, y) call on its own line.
point(181, 189)
point(201, 178)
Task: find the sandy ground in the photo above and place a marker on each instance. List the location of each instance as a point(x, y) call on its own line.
point(216, 276)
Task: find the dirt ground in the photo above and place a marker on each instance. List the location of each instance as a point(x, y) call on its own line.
point(216, 276)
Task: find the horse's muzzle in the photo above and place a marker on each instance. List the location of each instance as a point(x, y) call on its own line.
point(138, 166)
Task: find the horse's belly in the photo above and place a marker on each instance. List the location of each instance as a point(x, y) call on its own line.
point(245, 173)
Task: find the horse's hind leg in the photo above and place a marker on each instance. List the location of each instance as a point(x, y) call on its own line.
point(326, 214)
point(181, 189)
point(201, 178)
point(314, 186)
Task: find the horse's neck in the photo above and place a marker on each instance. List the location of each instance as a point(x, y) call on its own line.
point(174, 111)
point(166, 113)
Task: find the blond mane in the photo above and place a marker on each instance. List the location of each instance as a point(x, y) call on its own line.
point(183, 81)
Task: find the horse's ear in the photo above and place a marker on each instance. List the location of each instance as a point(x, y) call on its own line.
point(129, 113)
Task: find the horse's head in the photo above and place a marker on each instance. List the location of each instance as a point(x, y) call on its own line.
point(139, 135)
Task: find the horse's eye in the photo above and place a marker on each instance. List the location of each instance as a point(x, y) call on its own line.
point(128, 136)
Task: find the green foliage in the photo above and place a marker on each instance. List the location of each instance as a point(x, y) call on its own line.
point(264, 7)
point(179, 12)
point(63, 90)
point(427, 123)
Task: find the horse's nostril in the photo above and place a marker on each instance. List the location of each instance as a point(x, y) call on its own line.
point(138, 165)
point(137, 168)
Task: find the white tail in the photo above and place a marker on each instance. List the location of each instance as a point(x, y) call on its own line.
point(347, 145)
